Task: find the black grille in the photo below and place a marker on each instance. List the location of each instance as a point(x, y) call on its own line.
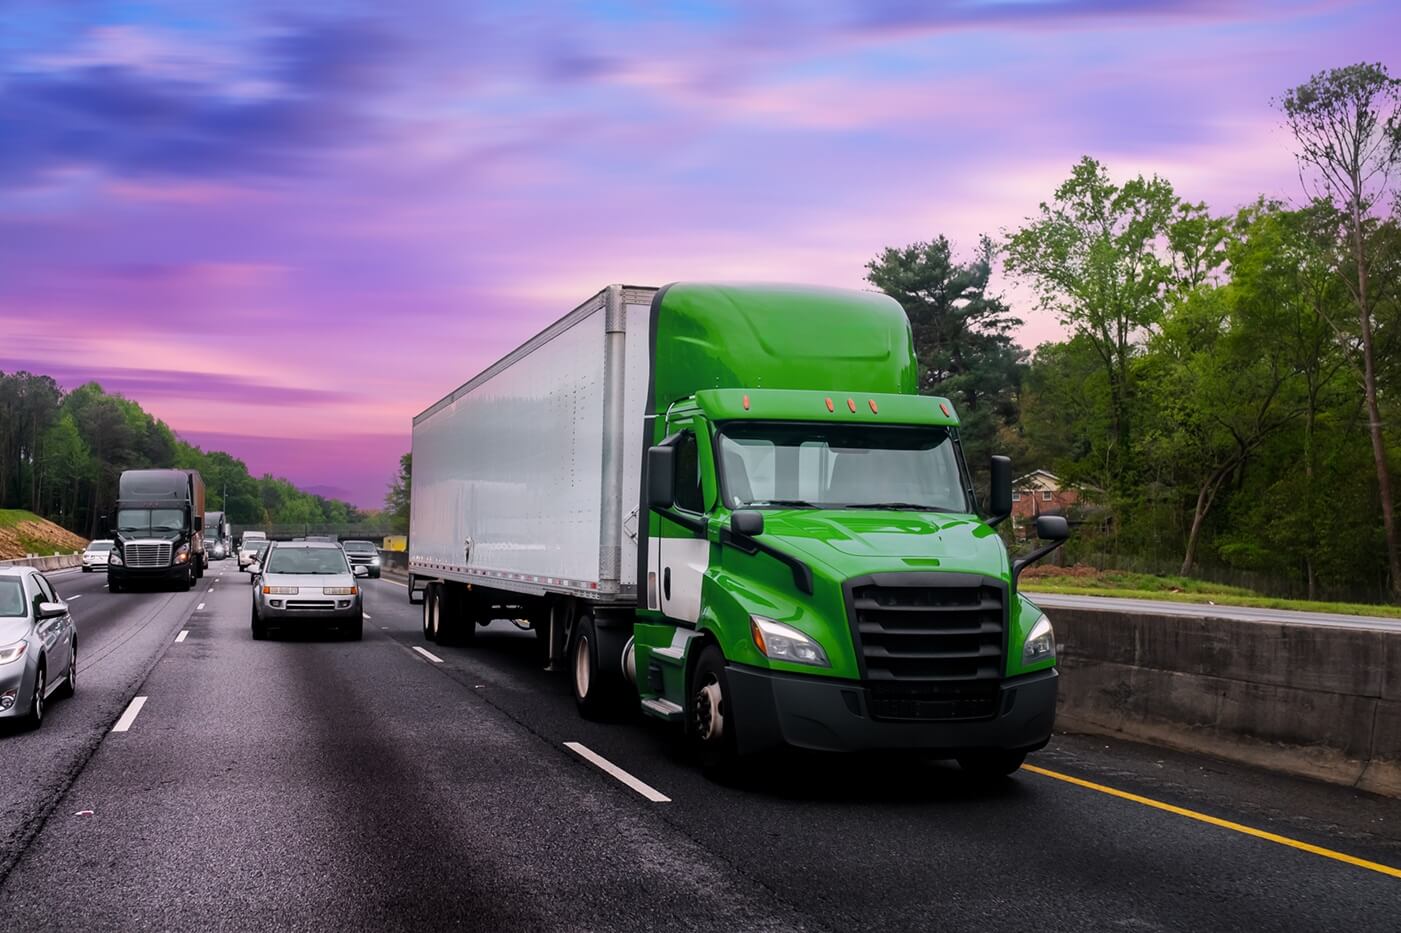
point(928, 628)
point(933, 701)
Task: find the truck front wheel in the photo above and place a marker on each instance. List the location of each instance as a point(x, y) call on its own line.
point(709, 715)
point(994, 763)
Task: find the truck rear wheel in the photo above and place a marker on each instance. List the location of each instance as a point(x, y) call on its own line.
point(590, 685)
point(710, 726)
point(994, 763)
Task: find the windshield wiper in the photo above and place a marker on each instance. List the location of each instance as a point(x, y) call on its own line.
point(793, 503)
point(897, 506)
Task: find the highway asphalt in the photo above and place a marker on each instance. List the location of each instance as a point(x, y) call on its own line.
point(318, 784)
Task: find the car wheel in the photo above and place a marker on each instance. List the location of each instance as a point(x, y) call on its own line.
point(710, 725)
point(70, 683)
point(114, 586)
point(355, 631)
point(994, 763)
point(87, 570)
point(35, 717)
point(260, 628)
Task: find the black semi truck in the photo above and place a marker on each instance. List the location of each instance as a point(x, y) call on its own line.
point(159, 535)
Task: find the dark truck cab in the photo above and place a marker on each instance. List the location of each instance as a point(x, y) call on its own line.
point(159, 529)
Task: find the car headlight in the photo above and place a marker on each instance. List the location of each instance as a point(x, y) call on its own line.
point(338, 590)
point(114, 558)
point(780, 642)
point(1041, 643)
point(13, 652)
point(280, 590)
point(375, 559)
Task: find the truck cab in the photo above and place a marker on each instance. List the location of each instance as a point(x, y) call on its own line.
point(818, 570)
point(159, 530)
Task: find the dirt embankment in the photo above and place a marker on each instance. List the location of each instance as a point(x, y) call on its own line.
point(22, 536)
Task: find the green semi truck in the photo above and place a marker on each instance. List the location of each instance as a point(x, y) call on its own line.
point(728, 507)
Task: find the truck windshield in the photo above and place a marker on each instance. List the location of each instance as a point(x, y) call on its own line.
point(835, 466)
point(152, 523)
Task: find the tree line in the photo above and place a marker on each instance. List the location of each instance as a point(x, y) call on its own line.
point(61, 454)
point(1228, 391)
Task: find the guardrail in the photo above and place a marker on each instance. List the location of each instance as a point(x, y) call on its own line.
point(54, 562)
point(1320, 702)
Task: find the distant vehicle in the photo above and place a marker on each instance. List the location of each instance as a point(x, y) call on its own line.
point(307, 584)
point(729, 508)
point(245, 550)
point(38, 646)
point(160, 525)
point(96, 554)
point(363, 554)
point(256, 552)
point(324, 539)
point(218, 539)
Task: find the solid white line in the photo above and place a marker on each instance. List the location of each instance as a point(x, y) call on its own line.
point(199, 607)
point(593, 758)
point(181, 637)
point(129, 716)
point(75, 596)
point(395, 582)
point(428, 654)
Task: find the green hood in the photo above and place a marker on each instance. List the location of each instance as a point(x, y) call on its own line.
point(852, 542)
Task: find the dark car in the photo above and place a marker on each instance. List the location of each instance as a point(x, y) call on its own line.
point(363, 554)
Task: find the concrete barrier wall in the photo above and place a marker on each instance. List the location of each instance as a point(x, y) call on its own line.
point(1320, 702)
point(56, 562)
point(396, 562)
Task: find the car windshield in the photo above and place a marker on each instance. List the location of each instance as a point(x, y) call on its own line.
point(150, 523)
point(100, 546)
point(258, 548)
point(835, 466)
point(315, 560)
point(359, 547)
point(12, 598)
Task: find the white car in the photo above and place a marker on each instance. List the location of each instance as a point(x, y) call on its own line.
point(96, 555)
point(246, 549)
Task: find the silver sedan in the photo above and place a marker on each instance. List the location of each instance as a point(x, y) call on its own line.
point(38, 646)
point(305, 584)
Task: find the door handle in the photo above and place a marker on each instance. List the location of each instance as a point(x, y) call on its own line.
point(666, 583)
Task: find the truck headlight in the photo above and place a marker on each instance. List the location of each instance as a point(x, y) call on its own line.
point(1041, 643)
point(114, 558)
point(13, 652)
point(779, 642)
point(183, 554)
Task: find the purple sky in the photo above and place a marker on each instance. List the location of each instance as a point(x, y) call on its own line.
point(286, 228)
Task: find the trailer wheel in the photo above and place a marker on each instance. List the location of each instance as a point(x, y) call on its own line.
point(710, 725)
point(432, 611)
point(994, 763)
point(587, 679)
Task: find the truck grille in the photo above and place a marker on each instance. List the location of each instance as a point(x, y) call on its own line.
point(146, 555)
point(929, 628)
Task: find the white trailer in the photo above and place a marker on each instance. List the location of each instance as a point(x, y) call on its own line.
point(526, 478)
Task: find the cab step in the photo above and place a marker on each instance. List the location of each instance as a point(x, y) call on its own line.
point(663, 709)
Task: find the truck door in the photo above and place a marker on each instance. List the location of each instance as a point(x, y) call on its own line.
point(685, 552)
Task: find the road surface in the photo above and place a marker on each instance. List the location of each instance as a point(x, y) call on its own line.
point(311, 784)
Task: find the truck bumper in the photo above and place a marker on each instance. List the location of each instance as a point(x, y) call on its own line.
point(772, 710)
point(173, 574)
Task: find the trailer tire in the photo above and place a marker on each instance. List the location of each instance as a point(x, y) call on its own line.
point(586, 678)
point(431, 609)
point(710, 725)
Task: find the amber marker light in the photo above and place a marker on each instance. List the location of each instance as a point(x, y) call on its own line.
point(830, 406)
point(746, 403)
point(874, 409)
point(945, 409)
point(851, 404)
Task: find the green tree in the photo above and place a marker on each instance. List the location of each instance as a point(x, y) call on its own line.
point(1346, 124)
point(962, 335)
point(1106, 259)
point(396, 500)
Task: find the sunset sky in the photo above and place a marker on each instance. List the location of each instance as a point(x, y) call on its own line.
point(286, 228)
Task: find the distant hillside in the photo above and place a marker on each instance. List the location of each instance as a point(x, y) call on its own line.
point(23, 533)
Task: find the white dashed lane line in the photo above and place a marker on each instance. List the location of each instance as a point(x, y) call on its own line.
point(199, 608)
point(182, 636)
point(130, 715)
point(428, 654)
point(612, 770)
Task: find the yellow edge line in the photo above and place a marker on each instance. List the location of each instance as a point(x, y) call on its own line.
point(1215, 821)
